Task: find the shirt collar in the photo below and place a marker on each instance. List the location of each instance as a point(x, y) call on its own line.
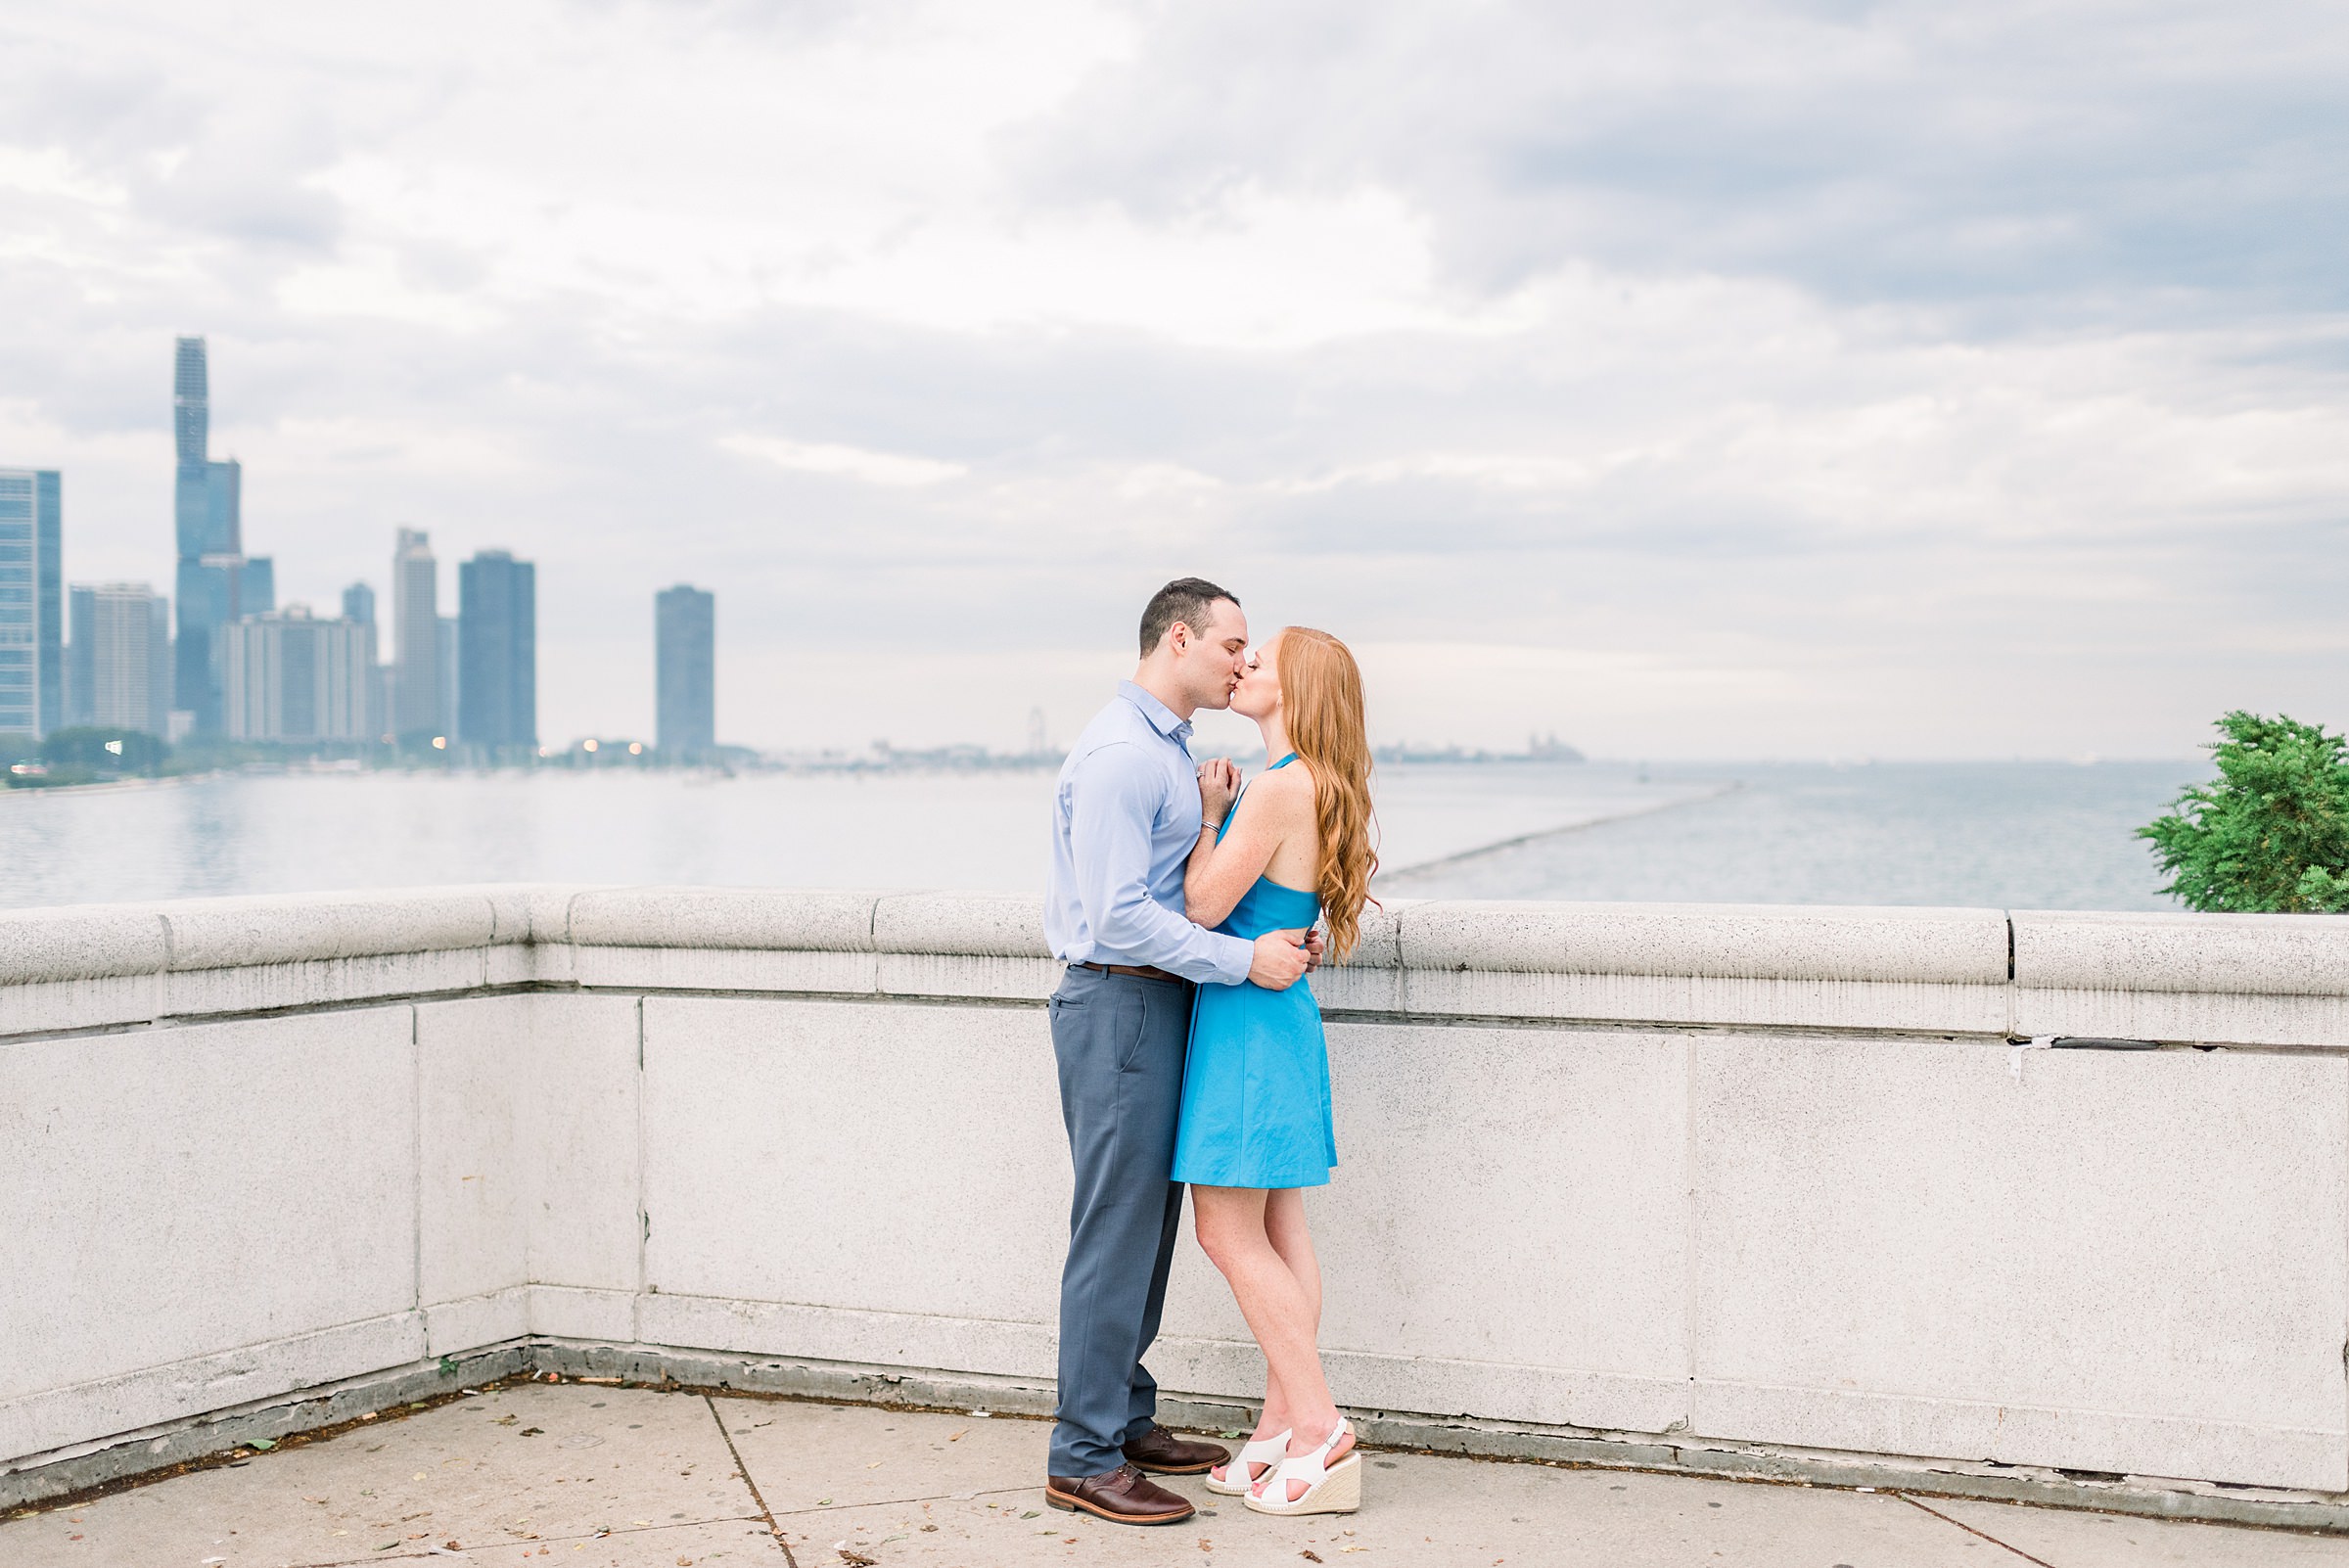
point(1161, 717)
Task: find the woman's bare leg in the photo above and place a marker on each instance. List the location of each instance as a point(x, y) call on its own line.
point(1274, 1419)
point(1285, 1228)
point(1280, 1300)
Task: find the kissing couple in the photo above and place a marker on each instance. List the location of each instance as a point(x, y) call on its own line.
point(1185, 908)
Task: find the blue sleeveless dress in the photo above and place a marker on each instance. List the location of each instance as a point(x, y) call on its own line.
point(1256, 1088)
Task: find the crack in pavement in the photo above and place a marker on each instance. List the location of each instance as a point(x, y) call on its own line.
point(1971, 1531)
point(766, 1514)
point(892, 1502)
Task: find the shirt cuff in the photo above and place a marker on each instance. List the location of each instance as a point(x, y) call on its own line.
point(1233, 956)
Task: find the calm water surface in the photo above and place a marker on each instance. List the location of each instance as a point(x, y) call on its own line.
point(2012, 835)
point(1998, 835)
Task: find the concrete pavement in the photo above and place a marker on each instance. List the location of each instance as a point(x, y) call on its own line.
point(592, 1476)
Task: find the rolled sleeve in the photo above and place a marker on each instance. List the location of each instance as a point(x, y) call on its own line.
point(1115, 796)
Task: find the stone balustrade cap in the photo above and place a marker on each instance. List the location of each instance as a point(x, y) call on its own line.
point(295, 927)
point(525, 912)
point(1711, 940)
point(791, 920)
point(984, 925)
point(91, 942)
point(2242, 954)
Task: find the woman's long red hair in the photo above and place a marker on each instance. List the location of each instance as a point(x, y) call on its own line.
point(1322, 702)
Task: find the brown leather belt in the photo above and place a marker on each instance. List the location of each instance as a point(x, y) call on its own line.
point(1138, 971)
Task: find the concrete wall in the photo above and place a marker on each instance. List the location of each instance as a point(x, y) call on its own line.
point(1745, 1178)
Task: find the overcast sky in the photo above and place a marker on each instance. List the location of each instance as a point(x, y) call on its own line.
point(1732, 380)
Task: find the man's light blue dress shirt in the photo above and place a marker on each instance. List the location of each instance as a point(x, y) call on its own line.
point(1125, 819)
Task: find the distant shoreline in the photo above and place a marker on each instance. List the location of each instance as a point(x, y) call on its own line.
point(135, 781)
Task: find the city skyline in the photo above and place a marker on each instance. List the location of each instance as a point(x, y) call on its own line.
point(1752, 380)
point(208, 508)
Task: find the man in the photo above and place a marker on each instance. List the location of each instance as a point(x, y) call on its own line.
point(1127, 814)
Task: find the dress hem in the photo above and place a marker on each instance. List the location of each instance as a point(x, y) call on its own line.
point(1321, 1180)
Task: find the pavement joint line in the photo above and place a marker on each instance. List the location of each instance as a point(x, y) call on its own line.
point(766, 1515)
point(500, 1545)
point(1971, 1531)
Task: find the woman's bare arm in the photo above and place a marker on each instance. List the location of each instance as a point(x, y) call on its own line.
point(1281, 803)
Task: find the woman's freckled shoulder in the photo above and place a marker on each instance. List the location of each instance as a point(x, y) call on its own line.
point(1287, 787)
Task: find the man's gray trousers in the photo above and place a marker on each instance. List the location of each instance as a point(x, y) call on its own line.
point(1120, 1041)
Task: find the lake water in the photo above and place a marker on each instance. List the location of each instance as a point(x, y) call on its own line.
point(2002, 835)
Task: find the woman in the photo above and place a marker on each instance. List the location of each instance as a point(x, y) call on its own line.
point(1255, 1120)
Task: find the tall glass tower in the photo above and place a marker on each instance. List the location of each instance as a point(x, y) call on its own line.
point(684, 671)
point(415, 639)
point(218, 584)
point(498, 652)
point(32, 663)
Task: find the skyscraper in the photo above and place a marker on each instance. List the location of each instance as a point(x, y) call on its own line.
point(215, 582)
point(257, 585)
point(287, 677)
point(358, 604)
point(497, 651)
point(120, 656)
point(415, 637)
point(358, 607)
point(448, 710)
point(685, 672)
point(33, 671)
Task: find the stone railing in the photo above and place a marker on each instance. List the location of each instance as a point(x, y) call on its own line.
point(1752, 1190)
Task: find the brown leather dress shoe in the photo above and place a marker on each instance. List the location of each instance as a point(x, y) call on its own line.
point(1161, 1452)
point(1125, 1496)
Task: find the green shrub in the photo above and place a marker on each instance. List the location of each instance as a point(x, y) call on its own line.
point(2272, 833)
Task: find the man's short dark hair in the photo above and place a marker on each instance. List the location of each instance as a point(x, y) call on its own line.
point(1185, 599)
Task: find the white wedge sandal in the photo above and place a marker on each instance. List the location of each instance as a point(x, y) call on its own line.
point(1266, 1451)
point(1328, 1488)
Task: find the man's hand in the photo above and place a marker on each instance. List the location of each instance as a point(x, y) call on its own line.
point(1279, 959)
point(1219, 787)
point(1313, 945)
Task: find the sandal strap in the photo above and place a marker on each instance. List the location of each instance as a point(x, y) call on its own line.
point(1311, 1468)
point(1268, 1452)
point(1264, 1450)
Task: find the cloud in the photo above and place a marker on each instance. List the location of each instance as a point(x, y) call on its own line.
point(847, 462)
point(1689, 380)
point(2013, 151)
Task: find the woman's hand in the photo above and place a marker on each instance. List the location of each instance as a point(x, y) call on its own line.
point(1219, 787)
